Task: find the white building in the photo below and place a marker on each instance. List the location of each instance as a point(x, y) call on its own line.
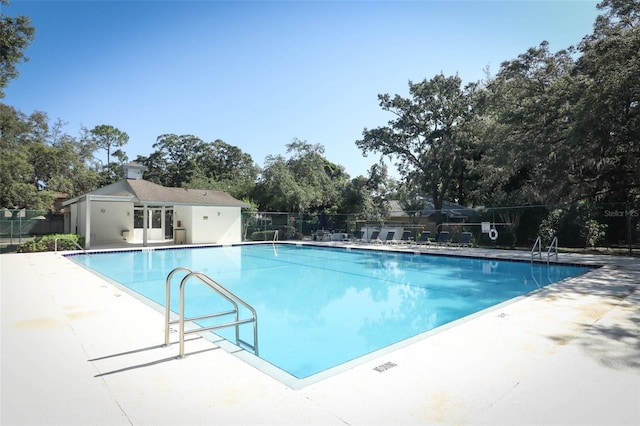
point(134, 210)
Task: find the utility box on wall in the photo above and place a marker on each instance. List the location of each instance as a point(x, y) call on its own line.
point(180, 236)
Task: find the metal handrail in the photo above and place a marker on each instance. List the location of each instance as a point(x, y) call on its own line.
point(538, 244)
point(534, 277)
point(55, 244)
point(554, 244)
point(167, 301)
point(221, 291)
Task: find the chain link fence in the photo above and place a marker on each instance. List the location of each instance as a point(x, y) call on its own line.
point(612, 228)
point(18, 225)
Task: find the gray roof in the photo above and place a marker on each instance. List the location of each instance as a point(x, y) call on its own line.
point(395, 209)
point(450, 209)
point(151, 193)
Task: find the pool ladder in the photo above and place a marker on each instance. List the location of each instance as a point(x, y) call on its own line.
point(553, 246)
point(221, 291)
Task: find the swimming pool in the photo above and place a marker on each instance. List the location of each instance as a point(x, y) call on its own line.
point(320, 307)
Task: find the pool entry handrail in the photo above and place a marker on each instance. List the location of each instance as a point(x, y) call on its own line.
point(538, 244)
point(553, 246)
point(221, 291)
point(55, 244)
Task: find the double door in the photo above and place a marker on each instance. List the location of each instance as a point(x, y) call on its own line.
point(159, 223)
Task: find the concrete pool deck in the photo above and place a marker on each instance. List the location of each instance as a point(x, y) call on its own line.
point(77, 350)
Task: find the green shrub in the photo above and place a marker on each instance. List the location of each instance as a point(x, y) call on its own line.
point(262, 235)
point(592, 231)
point(289, 233)
point(33, 245)
point(48, 243)
point(550, 226)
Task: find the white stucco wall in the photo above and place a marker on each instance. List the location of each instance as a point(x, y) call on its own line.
point(77, 218)
point(203, 224)
point(71, 227)
point(209, 224)
point(109, 219)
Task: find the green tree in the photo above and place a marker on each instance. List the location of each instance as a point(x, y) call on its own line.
point(525, 120)
point(555, 129)
point(366, 198)
point(187, 161)
point(225, 167)
point(524, 116)
point(37, 160)
point(175, 161)
point(16, 172)
point(72, 172)
point(380, 186)
point(321, 180)
point(107, 137)
point(157, 168)
point(15, 36)
point(411, 199)
point(428, 137)
point(277, 189)
point(357, 200)
point(607, 125)
point(306, 182)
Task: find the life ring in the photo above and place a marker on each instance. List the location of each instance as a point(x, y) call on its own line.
point(493, 234)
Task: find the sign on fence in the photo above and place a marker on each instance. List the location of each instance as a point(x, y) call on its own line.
point(486, 227)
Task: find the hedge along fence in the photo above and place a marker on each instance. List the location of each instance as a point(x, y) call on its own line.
point(51, 242)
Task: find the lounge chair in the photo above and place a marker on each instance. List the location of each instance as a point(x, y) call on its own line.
point(389, 238)
point(424, 238)
point(405, 237)
point(464, 240)
point(375, 237)
point(359, 237)
point(443, 238)
point(322, 235)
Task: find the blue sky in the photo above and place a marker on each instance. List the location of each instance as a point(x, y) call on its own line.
point(257, 74)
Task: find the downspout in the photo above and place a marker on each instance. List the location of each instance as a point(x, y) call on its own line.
point(87, 223)
point(163, 221)
point(145, 224)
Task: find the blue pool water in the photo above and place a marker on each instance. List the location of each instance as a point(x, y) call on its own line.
point(320, 307)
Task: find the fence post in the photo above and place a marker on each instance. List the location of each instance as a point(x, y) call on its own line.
point(21, 214)
point(627, 213)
